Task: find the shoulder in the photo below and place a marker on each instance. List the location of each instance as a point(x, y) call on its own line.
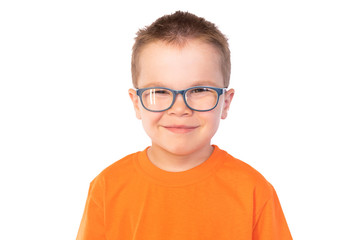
point(242, 174)
point(119, 171)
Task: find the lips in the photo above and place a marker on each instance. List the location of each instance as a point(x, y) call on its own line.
point(180, 128)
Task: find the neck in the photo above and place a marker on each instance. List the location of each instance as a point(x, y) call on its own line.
point(172, 162)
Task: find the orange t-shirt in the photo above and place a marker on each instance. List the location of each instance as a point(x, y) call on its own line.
point(222, 199)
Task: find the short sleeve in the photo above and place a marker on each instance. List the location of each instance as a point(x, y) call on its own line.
point(271, 223)
point(92, 222)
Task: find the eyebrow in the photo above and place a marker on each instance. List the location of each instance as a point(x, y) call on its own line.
point(205, 83)
point(153, 84)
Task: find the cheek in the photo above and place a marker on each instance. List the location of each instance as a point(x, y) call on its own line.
point(150, 120)
point(211, 120)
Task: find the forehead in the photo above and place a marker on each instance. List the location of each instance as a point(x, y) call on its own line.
point(191, 64)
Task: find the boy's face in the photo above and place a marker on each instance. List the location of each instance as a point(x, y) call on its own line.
point(180, 130)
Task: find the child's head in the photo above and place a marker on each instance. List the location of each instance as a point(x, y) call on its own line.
point(181, 68)
point(177, 29)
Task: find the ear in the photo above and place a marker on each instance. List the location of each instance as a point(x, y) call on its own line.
point(227, 101)
point(136, 102)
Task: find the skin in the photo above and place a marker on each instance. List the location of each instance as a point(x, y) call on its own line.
point(181, 138)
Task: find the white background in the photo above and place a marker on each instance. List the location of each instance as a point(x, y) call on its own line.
point(66, 115)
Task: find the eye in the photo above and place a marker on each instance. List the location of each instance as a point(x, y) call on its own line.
point(160, 91)
point(200, 90)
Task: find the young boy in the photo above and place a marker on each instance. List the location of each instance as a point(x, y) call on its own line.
point(181, 187)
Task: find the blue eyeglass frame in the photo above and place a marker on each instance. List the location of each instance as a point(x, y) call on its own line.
point(219, 92)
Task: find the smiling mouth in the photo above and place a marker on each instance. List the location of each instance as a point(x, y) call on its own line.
point(180, 128)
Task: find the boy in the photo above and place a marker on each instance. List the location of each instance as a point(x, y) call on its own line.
point(181, 187)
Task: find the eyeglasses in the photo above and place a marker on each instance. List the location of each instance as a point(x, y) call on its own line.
point(159, 99)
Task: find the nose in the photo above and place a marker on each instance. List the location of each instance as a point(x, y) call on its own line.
point(179, 107)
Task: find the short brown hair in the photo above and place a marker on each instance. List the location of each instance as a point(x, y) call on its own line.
point(176, 29)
